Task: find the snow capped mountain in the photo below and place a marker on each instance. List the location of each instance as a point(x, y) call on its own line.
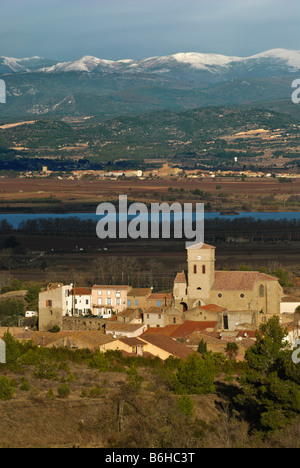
point(85, 64)
point(280, 61)
point(21, 65)
point(291, 57)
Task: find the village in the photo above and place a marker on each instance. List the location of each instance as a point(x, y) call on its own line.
point(166, 171)
point(215, 307)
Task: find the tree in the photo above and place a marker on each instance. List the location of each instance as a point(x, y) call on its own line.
point(202, 347)
point(195, 375)
point(270, 395)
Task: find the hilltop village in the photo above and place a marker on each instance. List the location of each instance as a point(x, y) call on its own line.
point(214, 306)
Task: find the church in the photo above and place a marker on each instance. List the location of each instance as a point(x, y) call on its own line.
point(244, 296)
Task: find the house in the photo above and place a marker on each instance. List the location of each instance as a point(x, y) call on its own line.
point(244, 293)
point(155, 317)
point(159, 300)
point(53, 305)
point(109, 300)
point(209, 312)
point(130, 316)
point(79, 301)
point(130, 346)
point(163, 347)
point(129, 330)
point(137, 298)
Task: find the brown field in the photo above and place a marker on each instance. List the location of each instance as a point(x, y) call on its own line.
point(75, 192)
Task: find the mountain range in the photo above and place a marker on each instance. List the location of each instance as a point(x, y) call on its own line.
point(37, 86)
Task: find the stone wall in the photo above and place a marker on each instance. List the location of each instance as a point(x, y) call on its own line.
point(82, 323)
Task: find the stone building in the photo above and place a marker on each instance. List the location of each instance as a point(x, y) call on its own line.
point(247, 296)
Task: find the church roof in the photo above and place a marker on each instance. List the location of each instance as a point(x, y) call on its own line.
point(239, 280)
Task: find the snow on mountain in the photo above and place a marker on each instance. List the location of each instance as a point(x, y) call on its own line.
point(27, 64)
point(86, 64)
point(292, 57)
point(213, 63)
point(204, 61)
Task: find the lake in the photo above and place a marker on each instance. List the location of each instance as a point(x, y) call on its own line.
point(16, 218)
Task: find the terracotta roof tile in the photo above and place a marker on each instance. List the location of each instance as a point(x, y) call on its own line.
point(238, 280)
point(181, 277)
point(201, 246)
point(189, 327)
point(169, 345)
point(137, 292)
point(212, 308)
point(81, 291)
point(166, 331)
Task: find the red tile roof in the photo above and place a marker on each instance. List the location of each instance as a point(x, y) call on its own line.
point(201, 246)
point(181, 277)
point(238, 280)
point(166, 331)
point(158, 296)
point(189, 327)
point(111, 287)
point(212, 308)
point(169, 345)
point(81, 291)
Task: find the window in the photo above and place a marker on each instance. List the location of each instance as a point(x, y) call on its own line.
point(129, 303)
point(159, 316)
point(48, 303)
point(86, 302)
point(195, 269)
point(242, 296)
point(174, 319)
point(118, 294)
point(261, 290)
point(147, 316)
point(118, 301)
point(220, 295)
point(108, 301)
point(158, 303)
point(99, 292)
point(203, 269)
point(136, 302)
point(109, 293)
point(99, 301)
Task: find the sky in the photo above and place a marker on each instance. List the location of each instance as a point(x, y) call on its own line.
point(133, 29)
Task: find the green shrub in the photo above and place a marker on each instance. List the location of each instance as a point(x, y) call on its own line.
point(63, 391)
point(186, 405)
point(95, 391)
point(195, 375)
point(6, 389)
point(25, 385)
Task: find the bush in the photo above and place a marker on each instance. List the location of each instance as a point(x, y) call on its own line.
point(25, 385)
point(6, 389)
point(195, 375)
point(186, 405)
point(63, 391)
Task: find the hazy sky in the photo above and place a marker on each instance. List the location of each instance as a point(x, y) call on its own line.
point(116, 29)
